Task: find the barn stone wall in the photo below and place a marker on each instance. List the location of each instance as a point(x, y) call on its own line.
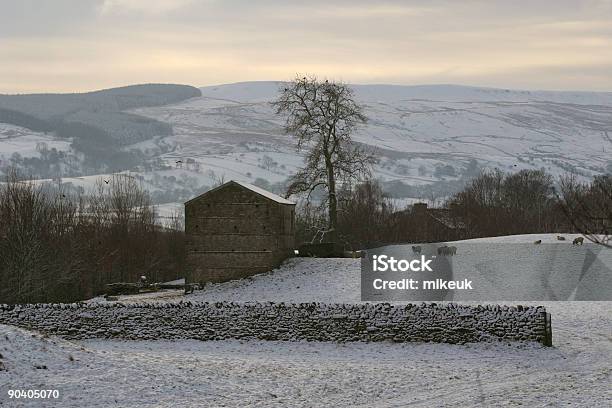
point(234, 232)
point(445, 323)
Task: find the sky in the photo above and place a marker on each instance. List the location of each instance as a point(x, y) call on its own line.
point(80, 45)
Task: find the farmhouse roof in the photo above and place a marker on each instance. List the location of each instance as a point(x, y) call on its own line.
point(255, 189)
point(444, 217)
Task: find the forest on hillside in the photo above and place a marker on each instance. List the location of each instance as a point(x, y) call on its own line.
point(96, 122)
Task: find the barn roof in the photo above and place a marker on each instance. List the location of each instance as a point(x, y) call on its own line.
point(251, 187)
point(444, 217)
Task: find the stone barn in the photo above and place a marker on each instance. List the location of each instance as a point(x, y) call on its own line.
point(237, 230)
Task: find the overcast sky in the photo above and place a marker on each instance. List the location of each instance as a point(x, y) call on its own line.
point(78, 45)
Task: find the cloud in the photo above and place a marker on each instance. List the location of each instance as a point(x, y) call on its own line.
point(110, 7)
point(70, 45)
point(29, 18)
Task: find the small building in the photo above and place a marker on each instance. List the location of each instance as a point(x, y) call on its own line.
point(422, 224)
point(237, 230)
point(438, 224)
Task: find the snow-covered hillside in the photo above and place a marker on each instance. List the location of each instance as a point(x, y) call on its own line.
point(555, 269)
point(424, 134)
point(17, 140)
point(189, 373)
point(433, 135)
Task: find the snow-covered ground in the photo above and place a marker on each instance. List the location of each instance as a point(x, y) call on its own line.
point(22, 141)
point(527, 239)
point(577, 371)
point(502, 268)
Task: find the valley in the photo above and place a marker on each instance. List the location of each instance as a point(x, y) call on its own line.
point(429, 139)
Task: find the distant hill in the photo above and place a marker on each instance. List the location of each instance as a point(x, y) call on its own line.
point(52, 106)
point(95, 121)
point(429, 139)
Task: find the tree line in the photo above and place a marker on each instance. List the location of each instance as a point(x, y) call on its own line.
point(59, 247)
point(493, 204)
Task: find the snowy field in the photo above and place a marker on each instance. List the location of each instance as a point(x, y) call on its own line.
point(577, 371)
point(337, 280)
point(102, 373)
point(22, 141)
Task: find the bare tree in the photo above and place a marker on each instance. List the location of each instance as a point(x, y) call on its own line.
point(268, 163)
point(589, 207)
point(57, 246)
point(497, 203)
point(366, 216)
point(217, 180)
point(322, 115)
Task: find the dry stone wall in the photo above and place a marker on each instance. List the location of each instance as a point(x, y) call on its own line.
point(427, 322)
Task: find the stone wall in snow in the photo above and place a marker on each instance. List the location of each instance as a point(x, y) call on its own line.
point(427, 322)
